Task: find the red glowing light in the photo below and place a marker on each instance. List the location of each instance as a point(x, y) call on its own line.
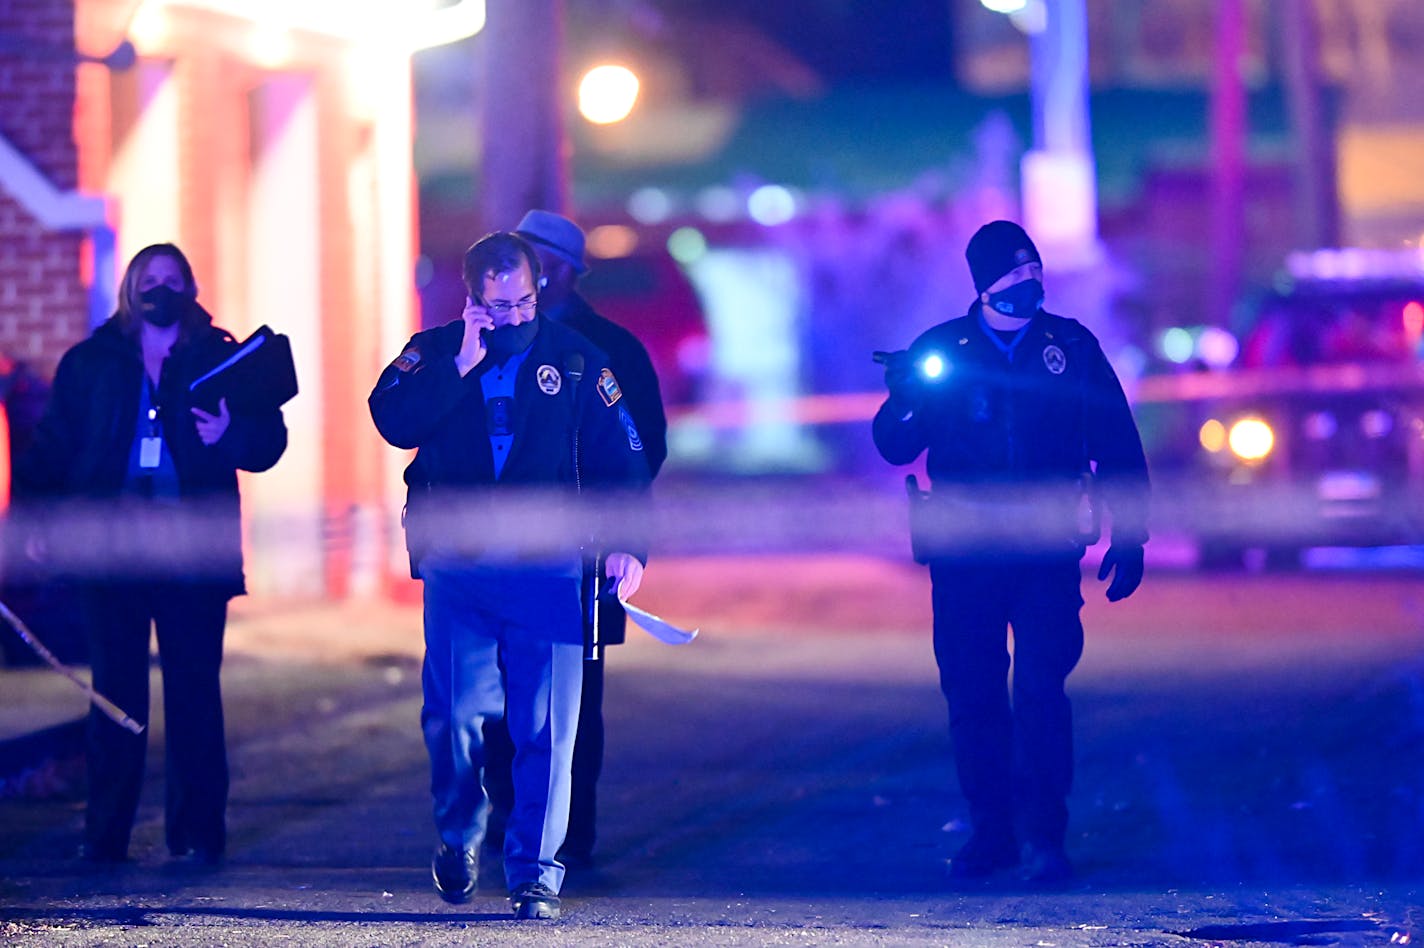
point(1414, 318)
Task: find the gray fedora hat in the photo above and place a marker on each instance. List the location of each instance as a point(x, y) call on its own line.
point(557, 233)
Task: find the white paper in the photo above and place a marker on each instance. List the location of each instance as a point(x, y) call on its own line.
point(660, 629)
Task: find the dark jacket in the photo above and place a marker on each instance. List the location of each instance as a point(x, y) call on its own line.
point(1002, 432)
point(629, 361)
point(80, 455)
point(422, 402)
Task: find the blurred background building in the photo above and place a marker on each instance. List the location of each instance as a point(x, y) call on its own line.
point(786, 152)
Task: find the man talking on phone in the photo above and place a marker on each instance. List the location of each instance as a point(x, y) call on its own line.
point(560, 246)
point(515, 420)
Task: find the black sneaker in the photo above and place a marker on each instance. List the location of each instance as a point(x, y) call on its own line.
point(206, 856)
point(535, 900)
point(1045, 865)
point(454, 871)
point(984, 855)
point(102, 855)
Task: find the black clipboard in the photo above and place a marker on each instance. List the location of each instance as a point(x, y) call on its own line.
point(258, 376)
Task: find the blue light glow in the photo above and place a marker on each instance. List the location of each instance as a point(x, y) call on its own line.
point(771, 204)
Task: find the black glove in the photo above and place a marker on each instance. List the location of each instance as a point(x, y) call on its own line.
point(901, 378)
point(1124, 561)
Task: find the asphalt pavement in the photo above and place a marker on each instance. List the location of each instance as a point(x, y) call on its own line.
point(1249, 752)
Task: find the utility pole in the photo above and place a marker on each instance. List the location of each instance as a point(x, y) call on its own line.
point(1316, 197)
point(524, 149)
point(1059, 174)
point(1228, 162)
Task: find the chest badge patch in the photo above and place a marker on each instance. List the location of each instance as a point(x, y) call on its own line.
point(1054, 358)
point(608, 389)
point(549, 379)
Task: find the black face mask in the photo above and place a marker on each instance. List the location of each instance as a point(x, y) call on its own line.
point(505, 341)
point(1020, 301)
point(163, 306)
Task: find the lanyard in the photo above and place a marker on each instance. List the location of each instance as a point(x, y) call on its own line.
point(153, 416)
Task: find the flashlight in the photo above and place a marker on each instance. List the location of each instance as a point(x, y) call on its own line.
point(931, 368)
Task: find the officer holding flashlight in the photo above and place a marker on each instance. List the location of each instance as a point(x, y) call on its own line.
point(1017, 409)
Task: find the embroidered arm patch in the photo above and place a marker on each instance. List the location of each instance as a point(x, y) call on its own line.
point(407, 360)
point(635, 442)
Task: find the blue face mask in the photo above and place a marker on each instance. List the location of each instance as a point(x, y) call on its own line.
point(1020, 301)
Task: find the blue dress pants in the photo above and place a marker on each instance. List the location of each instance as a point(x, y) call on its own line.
point(503, 643)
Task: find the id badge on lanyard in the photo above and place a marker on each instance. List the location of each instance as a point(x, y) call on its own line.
point(150, 447)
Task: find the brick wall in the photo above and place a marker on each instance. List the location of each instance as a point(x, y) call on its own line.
point(43, 303)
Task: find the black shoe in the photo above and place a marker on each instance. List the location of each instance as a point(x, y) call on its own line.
point(455, 873)
point(535, 900)
point(206, 856)
point(984, 855)
point(1045, 865)
point(102, 855)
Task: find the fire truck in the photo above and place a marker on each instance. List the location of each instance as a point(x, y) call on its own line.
point(1311, 432)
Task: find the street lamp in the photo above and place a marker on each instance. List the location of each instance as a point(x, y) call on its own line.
point(607, 94)
point(1059, 178)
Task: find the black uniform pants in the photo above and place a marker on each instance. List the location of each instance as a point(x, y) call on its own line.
point(588, 765)
point(1014, 755)
point(189, 622)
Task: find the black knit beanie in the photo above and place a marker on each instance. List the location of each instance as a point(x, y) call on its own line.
point(995, 249)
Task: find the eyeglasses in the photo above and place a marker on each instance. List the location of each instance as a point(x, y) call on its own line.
point(504, 307)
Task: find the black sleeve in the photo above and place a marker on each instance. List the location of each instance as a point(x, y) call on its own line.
point(1115, 447)
point(614, 466)
point(645, 403)
point(254, 441)
point(899, 433)
point(415, 393)
point(43, 469)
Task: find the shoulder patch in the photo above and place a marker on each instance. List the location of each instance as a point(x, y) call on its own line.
point(408, 360)
point(608, 389)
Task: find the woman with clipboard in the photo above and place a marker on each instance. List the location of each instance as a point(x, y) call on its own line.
point(135, 486)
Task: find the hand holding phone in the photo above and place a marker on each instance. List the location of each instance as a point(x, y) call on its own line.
point(472, 348)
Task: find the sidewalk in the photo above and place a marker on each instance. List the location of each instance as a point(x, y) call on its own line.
point(1245, 776)
point(42, 713)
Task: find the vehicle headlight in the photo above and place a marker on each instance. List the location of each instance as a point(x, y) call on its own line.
point(1320, 426)
point(1376, 423)
point(1212, 436)
point(1251, 439)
